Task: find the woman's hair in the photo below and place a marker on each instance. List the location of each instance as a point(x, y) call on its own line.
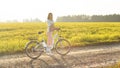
point(50, 16)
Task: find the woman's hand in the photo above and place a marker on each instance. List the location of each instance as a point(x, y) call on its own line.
point(58, 29)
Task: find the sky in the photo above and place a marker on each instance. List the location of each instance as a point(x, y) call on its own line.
point(31, 9)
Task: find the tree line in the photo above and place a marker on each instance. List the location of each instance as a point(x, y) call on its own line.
point(87, 18)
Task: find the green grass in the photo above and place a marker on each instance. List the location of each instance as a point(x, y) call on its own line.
point(14, 36)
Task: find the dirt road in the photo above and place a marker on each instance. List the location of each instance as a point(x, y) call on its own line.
point(80, 57)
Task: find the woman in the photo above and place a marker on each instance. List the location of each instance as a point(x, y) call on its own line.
point(50, 29)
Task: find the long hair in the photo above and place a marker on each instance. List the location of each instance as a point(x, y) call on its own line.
point(50, 16)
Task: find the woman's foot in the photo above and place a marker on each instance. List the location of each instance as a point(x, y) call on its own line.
point(48, 51)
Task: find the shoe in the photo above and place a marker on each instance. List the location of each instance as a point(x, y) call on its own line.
point(48, 51)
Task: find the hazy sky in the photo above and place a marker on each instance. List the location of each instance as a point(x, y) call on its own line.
point(27, 9)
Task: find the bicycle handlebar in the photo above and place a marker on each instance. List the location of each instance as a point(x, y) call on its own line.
point(58, 29)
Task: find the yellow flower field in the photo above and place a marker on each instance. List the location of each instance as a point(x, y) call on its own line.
point(14, 36)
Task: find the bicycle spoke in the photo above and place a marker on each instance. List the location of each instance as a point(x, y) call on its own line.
point(62, 47)
point(33, 49)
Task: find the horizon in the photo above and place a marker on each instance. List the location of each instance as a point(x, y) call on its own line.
point(32, 9)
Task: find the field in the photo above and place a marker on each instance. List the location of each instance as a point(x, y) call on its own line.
point(14, 36)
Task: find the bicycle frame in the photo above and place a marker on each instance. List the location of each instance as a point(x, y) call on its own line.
point(56, 37)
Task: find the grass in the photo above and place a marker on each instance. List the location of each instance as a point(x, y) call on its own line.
point(114, 66)
point(14, 36)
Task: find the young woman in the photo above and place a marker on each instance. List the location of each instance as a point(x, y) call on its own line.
point(50, 29)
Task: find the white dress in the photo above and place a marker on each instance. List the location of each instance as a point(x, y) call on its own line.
point(49, 22)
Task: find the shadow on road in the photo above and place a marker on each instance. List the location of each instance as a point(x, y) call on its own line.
point(54, 62)
point(38, 63)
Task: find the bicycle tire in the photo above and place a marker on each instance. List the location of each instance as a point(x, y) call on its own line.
point(59, 49)
point(36, 53)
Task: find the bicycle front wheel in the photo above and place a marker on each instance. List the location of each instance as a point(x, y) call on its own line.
point(63, 47)
point(33, 49)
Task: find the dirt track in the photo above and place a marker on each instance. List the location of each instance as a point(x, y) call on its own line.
point(80, 57)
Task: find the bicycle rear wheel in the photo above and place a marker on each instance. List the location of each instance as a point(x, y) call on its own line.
point(63, 47)
point(34, 49)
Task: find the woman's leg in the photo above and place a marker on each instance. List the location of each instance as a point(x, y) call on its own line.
point(49, 42)
point(50, 39)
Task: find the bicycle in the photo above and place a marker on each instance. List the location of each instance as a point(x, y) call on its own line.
point(35, 48)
